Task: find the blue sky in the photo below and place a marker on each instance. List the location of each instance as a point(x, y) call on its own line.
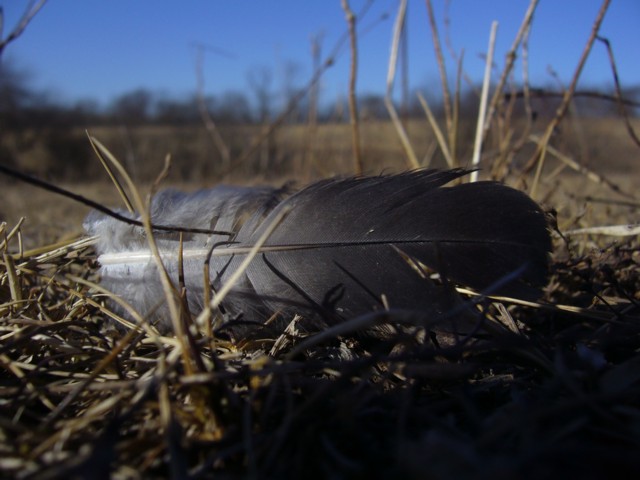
point(99, 49)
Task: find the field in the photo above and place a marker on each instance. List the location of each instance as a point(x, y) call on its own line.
point(600, 144)
point(550, 384)
point(535, 389)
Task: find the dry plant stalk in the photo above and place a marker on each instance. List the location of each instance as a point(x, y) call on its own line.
point(295, 100)
point(112, 176)
point(619, 96)
point(312, 117)
point(511, 58)
point(537, 159)
point(574, 165)
point(280, 404)
point(205, 316)
point(446, 95)
point(129, 397)
point(168, 287)
point(629, 230)
point(209, 124)
point(398, 28)
point(442, 142)
point(31, 11)
point(353, 74)
point(480, 126)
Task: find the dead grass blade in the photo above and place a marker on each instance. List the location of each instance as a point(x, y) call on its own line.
point(629, 230)
point(446, 94)
point(480, 126)
point(353, 74)
point(412, 160)
point(588, 173)
point(537, 159)
point(619, 97)
point(112, 177)
point(437, 131)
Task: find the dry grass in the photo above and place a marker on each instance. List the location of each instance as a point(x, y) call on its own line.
point(540, 390)
point(553, 388)
point(550, 384)
point(546, 388)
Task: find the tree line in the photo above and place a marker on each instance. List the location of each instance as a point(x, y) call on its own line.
point(22, 106)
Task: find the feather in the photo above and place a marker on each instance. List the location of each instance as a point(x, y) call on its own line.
point(341, 246)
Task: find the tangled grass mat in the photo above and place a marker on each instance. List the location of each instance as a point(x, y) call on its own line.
point(544, 389)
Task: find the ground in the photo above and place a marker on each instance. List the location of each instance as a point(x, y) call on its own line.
point(549, 388)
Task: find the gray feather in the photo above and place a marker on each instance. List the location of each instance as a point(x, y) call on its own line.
point(341, 246)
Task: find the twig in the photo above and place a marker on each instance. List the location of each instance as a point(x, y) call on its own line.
point(591, 175)
point(329, 62)
point(312, 118)
point(446, 95)
point(205, 315)
point(209, 124)
point(453, 147)
point(353, 108)
point(480, 127)
point(458, 58)
point(7, 237)
point(606, 201)
point(391, 74)
point(628, 230)
point(437, 131)
point(540, 92)
point(168, 288)
point(112, 176)
point(526, 86)
point(18, 175)
point(526, 94)
point(539, 155)
point(28, 15)
point(616, 82)
point(511, 58)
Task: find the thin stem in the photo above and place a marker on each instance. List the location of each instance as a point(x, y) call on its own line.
point(353, 76)
point(31, 12)
point(477, 148)
point(391, 74)
point(446, 95)
point(539, 155)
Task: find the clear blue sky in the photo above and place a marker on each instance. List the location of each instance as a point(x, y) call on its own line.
point(101, 48)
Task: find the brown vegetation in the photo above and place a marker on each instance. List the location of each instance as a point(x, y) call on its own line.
point(541, 389)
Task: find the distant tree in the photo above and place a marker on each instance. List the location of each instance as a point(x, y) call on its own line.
point(85, 112)
point(133, 108)
point(15, 95)
point(32, 9)
point(335, 111)
point(175, 112)
point(233, 107)
point(290, 73)
point(260, 81)
point(372, 107)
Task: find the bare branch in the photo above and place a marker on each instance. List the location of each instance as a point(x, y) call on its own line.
point(542, 93)
point(616, 80)
point(538, 157)
point(353, 107)
point(443, 72)
point(477, 148)
point(209, 124)
point(511, 58)
point(28, 15)
point(391, 74)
